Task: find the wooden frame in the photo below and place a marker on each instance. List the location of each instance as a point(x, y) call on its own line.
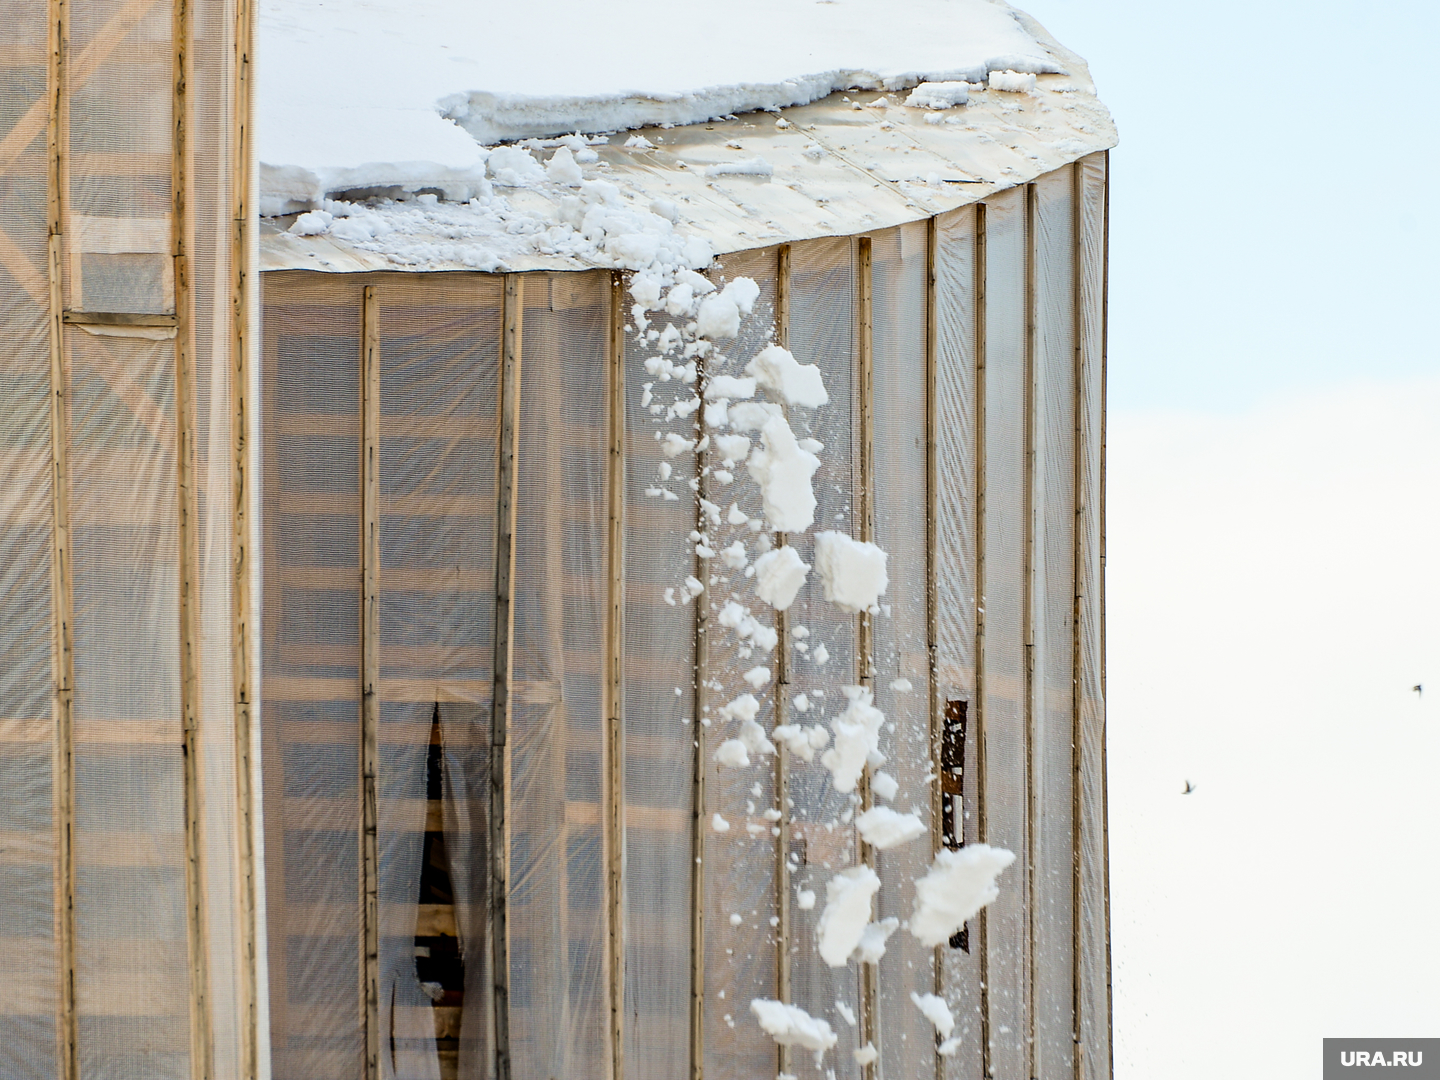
point(782, 703)
point(981, 795)
point(370, 679)
point(613, 799)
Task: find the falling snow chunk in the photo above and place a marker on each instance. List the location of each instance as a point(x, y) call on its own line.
point(719, 824)
point(866, 1055)
point(674, 445)
point(752, 415)
point(872, 941)
point(694, 586)
point(801, 703)
point(846, 1012)
point(732, 753)
point(805, 900)
point(857, 737)
point(884, 785)
point(729, 387)
point(745, 707)
point(884, 828)
point(852, 573)
point(901, 686)
point(777, 371)
point(948, 1047)
point(670, 596)
point(757, 676)
point(790, 1025)
point(936, 1011)
point(734, 556)
point(803, 742)
point(720, 314)
point(847, 913)
point(736, 920)
point(779, 574)
point(821, 654)
point(958, 885)
point(736, 516)
point(783, 471)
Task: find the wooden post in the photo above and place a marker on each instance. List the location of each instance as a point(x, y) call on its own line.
point(782, 704)
point(186, 455)
point(61, 591)
point(981, 795)
point(370, 680)
point(697, 812)
point(241, 279)
point(864, 391)
point(511, 336)
point(1031, 604)
point(614, 677)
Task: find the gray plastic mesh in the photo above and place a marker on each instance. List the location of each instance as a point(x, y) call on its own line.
point(1004, 714)
point(901, 638)
point(558, 997)
point(1052, 782)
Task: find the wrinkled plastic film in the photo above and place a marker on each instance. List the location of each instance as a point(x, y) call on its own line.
point(311, 680)
point(1003, 717)
point(955, 559)
point(740, 942)
point(558, 990)
point(1052, 780)
point(823, 331)
point(900, 641)
point(438, 397)
point(660, 730)
point(29, 985)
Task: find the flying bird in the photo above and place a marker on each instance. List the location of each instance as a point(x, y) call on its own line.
point(1420, 690)
point(1189, 787)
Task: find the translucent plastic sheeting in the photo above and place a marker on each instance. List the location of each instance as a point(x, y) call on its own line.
point(660, 735)
point(28, 974)
point(132, 977)
point(1094, 914)
point(900, 640)
point(120, 110)
point(823, 331)
point(1051, 760)
point(439, 364)
point(1003, 715)
point(559, 1012)
point(311, 686)
point(955, 557)
point(740, 900)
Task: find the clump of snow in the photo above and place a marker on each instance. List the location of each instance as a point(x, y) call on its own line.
point(845, 1011)
point(779, 573)
point(865, 1055)
point(957, 886)
point(756, 166)
point(857, 739)
point(514, 166)
point(314, 223)
point(562, 168)
point(1012, 82)
point(872, 941)
point(783, 470)
point(719, 315)
point(757, 676)
point(732, 753)
point(803, 742)
point(794, 383)
point(884, 785)
point(805, 899)
point(729, 387)
point(747, 628)
point(936, 1011)
point(719, 824)
point(884, 828)
point(852, 573)
point(939, 95)
point(847, 913)
point(790, 1025)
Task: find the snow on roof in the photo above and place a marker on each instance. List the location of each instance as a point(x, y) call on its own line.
point(364, 106)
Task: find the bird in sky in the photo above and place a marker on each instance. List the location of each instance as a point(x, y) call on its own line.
point(1189, 787)
point(1419, 690)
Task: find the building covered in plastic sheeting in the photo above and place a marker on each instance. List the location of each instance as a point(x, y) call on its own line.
point(399, 681)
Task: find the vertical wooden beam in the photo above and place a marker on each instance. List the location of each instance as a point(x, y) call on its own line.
point(697, 810)
point(932, 595)
point(187, 468)
point(370, 680)
point(499, 854)
point(1104, 695)
point(241, 283)
point(865, 661)
point(1030, 604)
point(615, 678)
point(782, 703)
point(61, 590)
point(981, 793)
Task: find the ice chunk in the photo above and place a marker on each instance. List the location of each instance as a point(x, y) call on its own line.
point(872, 941)
point(562, 169)
point(719, 824)
point(936, 1011)
point(884, 828)
point(958, 885)
point(778, 372)
point(853, 573)
point(779, 573)
point(732, 753)
point(847, 913)
point(884, 785)
point(514, 166)
point(790, 1025)
point(783, 471)
point(939, 95)
point(857, 736)
point(1012, 82)
point(728, 386)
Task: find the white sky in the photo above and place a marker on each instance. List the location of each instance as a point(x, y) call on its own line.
point(1274, 471)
